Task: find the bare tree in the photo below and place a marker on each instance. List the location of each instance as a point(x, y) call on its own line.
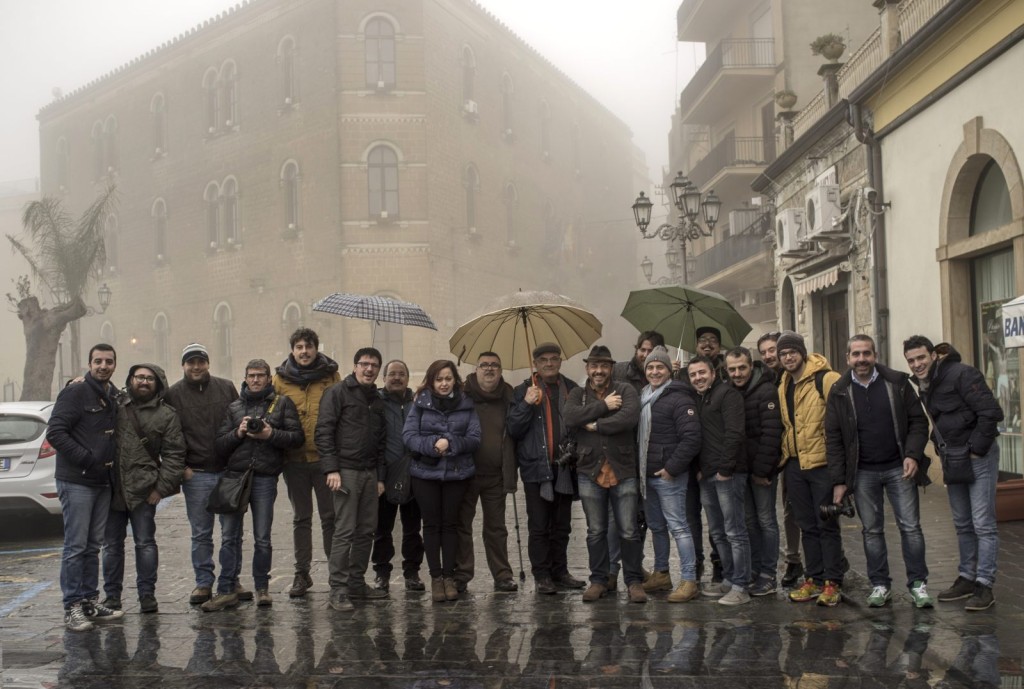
point(64, 254)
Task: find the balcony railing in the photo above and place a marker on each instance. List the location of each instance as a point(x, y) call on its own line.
point(731, 53)
point(913, 14)
point(811, 113)
point(731, 151)
point(732, 250)
point(865, 60)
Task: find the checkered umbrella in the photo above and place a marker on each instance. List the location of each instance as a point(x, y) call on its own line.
point(377, 309)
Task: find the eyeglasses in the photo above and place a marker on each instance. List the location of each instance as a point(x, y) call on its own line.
point(488, 365)
point(368, 364)
point(787, 353)
point(144, 379)
point(707, 339)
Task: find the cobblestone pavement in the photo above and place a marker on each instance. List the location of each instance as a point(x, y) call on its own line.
point(489, 639)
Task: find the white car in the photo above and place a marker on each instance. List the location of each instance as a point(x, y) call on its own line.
point(27, 460)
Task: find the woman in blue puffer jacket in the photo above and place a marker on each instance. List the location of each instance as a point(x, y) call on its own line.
point(442, 431)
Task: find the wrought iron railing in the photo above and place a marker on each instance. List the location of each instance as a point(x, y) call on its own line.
point(730, 53)
point(730, 151)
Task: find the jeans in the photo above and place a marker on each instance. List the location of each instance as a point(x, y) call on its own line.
point(147, 558)
point(197, 494)
point(355, 521)
point(440, 502)
point(490, 491)
point(723, 504)
point(384, 545)
point(623, 500)
point(974, 517)
point(84, 509)
point(763, 528)
point(549, 525)
point(665, 507)
point(305, 480)
point(261, 504)
point(822, 541)
point(903, 498)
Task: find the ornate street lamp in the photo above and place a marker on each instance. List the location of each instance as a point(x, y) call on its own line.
point(104, 294)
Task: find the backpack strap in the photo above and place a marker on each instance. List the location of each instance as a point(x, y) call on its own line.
point(819, 382)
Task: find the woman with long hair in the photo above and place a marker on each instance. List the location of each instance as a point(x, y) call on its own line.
point(442, 431)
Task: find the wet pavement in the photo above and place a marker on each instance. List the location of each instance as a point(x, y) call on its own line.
point(494, 640)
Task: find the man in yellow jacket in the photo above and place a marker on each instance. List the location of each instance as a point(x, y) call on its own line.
point(804, 387)
point(303, 378)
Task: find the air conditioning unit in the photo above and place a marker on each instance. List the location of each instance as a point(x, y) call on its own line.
point(749, 297)
point(470, 107)
point(383, 215)
point(788, 231)
point(291, 226)
point(821, 205)
point(213, 245)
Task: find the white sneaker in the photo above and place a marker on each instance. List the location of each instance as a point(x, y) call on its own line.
point(715, 590)
point(76, 620)
point(734, 597)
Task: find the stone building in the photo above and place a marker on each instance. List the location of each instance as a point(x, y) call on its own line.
point(287, 149)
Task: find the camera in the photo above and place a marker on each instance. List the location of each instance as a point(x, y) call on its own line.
point(255, 425)
point(829, 510)
point(565, 455)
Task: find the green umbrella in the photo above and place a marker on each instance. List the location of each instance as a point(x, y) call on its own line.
point(677, 312)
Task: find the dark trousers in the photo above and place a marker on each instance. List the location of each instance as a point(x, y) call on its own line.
point(439, 503)
point(696, 524)
point(384, 545)
point(822, 541)
point(549, 524)
point(304, 481)
point(490, 491)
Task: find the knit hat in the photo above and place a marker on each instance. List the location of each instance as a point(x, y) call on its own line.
point(194, 350)
point(546, 348)
point(791, 340)
point(659, 354)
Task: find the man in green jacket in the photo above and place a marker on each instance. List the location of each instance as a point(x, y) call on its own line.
point(148, 468)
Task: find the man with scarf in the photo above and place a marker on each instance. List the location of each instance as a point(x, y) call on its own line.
point(303, 378)
point(495, 476)
point(535, 423)
point(604, 415)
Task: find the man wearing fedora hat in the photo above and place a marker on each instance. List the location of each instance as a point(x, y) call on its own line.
point(604, 415)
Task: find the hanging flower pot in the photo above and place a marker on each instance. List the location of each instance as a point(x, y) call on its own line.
point(785, 99)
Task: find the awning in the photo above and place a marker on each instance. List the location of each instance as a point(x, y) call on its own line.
point(1013, 323)
point(817, 282)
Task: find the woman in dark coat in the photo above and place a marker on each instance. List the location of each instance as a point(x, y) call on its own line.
point(442, 431)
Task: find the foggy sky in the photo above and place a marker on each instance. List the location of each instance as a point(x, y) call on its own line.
point(626, 57)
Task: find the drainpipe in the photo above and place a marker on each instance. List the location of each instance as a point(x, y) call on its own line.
point(880, 285)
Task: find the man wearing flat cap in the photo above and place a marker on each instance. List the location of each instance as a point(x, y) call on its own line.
point(535, 422)
point(604, 415)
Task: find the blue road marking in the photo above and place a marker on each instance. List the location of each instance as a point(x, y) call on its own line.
point(24, 597)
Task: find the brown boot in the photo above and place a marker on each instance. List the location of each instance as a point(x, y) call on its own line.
point(687, 590)
point(594, 592)
point(437, 590)
point(451, 589)
point(636, 593)
point(658, 581)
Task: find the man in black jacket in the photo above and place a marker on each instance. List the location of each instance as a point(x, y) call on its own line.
point(604, 415)
point(723, 478)
point(964, 413)
point(351, 438)
point(82, 429)
point(202, 401)
point(763, 423)
point(875, 433)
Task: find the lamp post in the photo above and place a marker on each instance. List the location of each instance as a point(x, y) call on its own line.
point(103, 295)
point(691, 204)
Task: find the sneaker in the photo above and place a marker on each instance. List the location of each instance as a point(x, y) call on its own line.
point(763, 587)
point(506, 585)
point(808, 591)
point(981, 600)
point(112, 602)
point(221, 601)
point(300, 584)
point(961, 588)
point(546, 587)
point(716, 589)
point(242, 593)
point(76, 620)
point(919, 594)
point(794, 570)
point(97, 612)
point(594, 592)
point(637, 593)
point(414, 583)
point(366, 593)
point(879, 596)
point(830, 594)
point(568, 581)
point(199, 595)
point(382, 582)
point(687, 590)
point(147, 603)
point(658, 581)
point(735, 596)
point(263, 598)
point(340, 602)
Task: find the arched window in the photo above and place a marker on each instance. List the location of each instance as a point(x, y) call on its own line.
point(290, 187)
point(110, 149)
point(107, 333)
point(545, 130)
point(286, 68)
point(468, 74)
point(99, 170)
point(472, 183)
point(229, 94)
point(160, 347)
point(157, 109)
point(211, 101)
point(159, 213)
point(511, 198)
point(62, 164)
point(990, 208)
point(222, 339)
point(211, 202)
point(382, 182)
point(229, 194)
point(380, 54)
point(291, 318)
point(110, 238)
point(506, 106)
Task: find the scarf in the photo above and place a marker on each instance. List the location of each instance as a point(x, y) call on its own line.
point(648, 396)
point(322, 367)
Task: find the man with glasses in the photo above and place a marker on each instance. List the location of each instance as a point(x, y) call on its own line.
point(351, 439)
point(495, 477)
point(545, 465)
point(150, 463)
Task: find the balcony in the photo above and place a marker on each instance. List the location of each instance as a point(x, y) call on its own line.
point(739, 248)
point(698, 21)
point(737, 70)
point(731, 166)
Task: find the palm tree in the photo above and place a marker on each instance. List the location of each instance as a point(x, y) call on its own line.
point(64, 255)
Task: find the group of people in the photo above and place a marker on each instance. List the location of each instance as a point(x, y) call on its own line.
point(643, 444)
